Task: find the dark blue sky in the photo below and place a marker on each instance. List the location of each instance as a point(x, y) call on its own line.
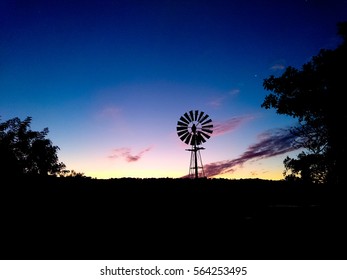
point(111, 78)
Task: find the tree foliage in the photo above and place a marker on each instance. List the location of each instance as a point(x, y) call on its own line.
point(315, 96)
point(24, 151)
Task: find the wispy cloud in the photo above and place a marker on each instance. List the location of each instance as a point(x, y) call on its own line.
point(109, 112)
point(234, 92)
point(217, 102)
point(271, 143)
point(278, 65)
point(231, 124)
point(127, 154)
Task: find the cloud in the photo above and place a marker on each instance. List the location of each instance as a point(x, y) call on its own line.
point(109, 112)
point(234, 92)
point(217, 102)
point(231, 124)
point(127, 155)
point(270, 144)
point(278, 65)
point(254, 173)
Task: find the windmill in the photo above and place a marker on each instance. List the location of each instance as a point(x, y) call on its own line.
point(194, 128)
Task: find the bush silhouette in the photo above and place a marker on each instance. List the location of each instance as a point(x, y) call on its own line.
point(24, 151)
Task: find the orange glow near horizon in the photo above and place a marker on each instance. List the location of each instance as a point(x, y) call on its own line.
point(248, 170)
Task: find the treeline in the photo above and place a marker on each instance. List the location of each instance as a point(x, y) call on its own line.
point(235, 193)
point(81, 218)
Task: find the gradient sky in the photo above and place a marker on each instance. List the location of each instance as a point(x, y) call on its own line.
point(110, 79)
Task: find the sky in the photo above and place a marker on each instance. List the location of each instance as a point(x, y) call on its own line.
point(110, 79)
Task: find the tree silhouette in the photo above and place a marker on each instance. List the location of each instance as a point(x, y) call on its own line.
point(314, 95)
point(24, 151)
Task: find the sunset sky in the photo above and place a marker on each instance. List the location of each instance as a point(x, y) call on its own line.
point(110, 79)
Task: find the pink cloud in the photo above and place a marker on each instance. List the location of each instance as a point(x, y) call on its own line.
point(127, 154)
point(231, 124)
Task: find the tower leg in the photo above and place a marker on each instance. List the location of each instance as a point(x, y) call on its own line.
point(202, 173)
point(195, 163)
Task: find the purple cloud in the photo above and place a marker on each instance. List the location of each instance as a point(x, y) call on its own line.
point(127, 155)
point(271, 143)
point(220, 128)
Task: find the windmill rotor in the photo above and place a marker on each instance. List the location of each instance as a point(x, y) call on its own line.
point(194, 127)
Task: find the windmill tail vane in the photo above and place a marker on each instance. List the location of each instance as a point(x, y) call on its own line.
point(194, 128)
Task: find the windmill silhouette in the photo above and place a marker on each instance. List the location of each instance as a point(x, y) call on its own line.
point(194, 128)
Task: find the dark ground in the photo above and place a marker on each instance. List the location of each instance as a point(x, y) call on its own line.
point(78, 218)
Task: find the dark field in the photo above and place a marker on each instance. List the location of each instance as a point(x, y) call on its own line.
point(79, 218)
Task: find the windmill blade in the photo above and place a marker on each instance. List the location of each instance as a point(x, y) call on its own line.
point(204, 118)
point(179, 128)
point(191, 115)
point(200, 116)
point(196, 115)
point(206, 122)
point(206, 130)
point(188, 139)
point(184, 136)
point(180, 133)
point(184, 120)
point(205, 135)
point(208, 126)
point(200, 139)
point(182, 124)
point(187, 117)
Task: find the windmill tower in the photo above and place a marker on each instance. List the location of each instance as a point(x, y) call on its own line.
point(194, 128)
